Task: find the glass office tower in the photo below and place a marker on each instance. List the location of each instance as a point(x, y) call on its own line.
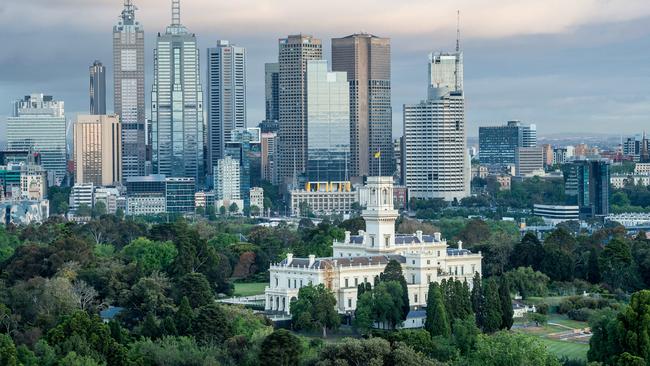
point(177, 104)
point(328, 123)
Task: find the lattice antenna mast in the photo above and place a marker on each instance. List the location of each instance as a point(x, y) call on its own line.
point(176, 12)
point(128, 13)
point(457, 68)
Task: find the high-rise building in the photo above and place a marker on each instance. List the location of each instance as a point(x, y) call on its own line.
point(244, 147)
point(366, 59)
point(97, 88)
point(37, 124)
point(97, 150)
point(177, 103)
point(227, 183)
point(294, 52)
point(498, 144)
point(437, 162)
point(587, 185)
point(548, 154)
point(226, 96)
point(128, 92)
point(272, 91)
point(267, 156)
point(328, 123)
point(446, 70)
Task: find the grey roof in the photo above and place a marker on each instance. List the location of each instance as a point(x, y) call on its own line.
point(454, 251)
point(322, 263)
point(111, 312)
point(416, 314)
point(400, 239)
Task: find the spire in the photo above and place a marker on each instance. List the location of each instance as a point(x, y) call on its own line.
point(457, 68)
point(176, 12)
point(457, 31)
point(128, 13)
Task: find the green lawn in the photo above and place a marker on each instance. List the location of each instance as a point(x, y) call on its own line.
point(572, 350)
point(250, 289)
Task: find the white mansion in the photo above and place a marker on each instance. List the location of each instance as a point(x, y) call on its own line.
point(359, 258)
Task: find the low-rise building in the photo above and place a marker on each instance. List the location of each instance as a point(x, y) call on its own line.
point(642, 168)
point(555, 214)
point(619, 181)
point(257, 197)
point(505, 182)
point(81, 194)
point(24, 212)
point(630, 219)
point(109, 196)
point(323, 198)
point(203, 199)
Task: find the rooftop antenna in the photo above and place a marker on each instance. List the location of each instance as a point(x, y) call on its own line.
point(176, 12)
point(457, 69)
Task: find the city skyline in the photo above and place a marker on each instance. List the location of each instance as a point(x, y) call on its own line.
point(522, 64)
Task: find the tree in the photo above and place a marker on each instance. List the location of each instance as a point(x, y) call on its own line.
point(363, 315)
point(437, 323)
point(593, 267)
point(477, 295)
point(280, 348)
point(528, 282)
point(233, 208)
point(506, 304)
point(617, 266)
point(634, 325)
point(537, 318)
point(491, 318)
point(8, 354)
point(527, 253)
point(212, 324)
point(255, 210)
point(315, 309)
point(222, 210)
point(83, 210)
point(150, 256)
point(184, 317)
point(465, 334)
point(474, 232)
point(388, 303)
point(195, 287)
point(99, 209)
point(393, 272)
point(510, 349)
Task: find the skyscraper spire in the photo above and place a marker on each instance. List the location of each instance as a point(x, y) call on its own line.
point(457, 30)
point(457, 66)
point(128, 13)
point(176, 12)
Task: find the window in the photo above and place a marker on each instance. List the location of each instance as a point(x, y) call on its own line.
point(415, 298)
point(349, 303)
point(301, 283)
point(428, 261)
point(346, 282)
point(356, 282)
point(413, 261)
point(372, 240)
point(387, 240)
point(288, 282)
point(412, 278)
point(428, 278)
point(276, 282)
point(438, 254)
point(294, 283)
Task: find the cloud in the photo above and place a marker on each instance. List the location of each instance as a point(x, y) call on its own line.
point(480, 18)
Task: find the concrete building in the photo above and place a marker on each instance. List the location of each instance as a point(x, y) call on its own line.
point(642, 168)
point(108, 196)
point(529, 161)
point(268, 156)
point(98, 150)
point(81, 194)
point(225, 96)
point(548, 155)
point(272, 91)
point(437, 163)
point(360, 258)
point(227, 180)
point(128, 91)
point(24, 212)
point(177, 103)
point(328, 123)
point(257, 198)
point(366, 59)
point(323, 198)
point(37, 124)
point(203, 199)
point(179, 195)
point(619, 181)
point(22, 181)
point(294, 53)
point(97, 88)
point(555, 214)
point(145, 195)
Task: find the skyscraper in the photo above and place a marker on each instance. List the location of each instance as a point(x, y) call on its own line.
point(38, 124)
point(272, 91)
point(446, 70)
point(226, 96)
point(177, 103)
point(366, 59)
point(97, 150)
point(498, 144)
point(128, 93)
point(294, 52)
point(437, 163)
point(328, 123)
point(97, 88)
point(587, 185)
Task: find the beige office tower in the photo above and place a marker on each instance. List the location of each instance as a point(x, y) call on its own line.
point(98, 149)
point(366, 59)
point(294, 52)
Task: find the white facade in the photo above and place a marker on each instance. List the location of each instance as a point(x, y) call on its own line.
point(326, 198)
point(257, 197)
point(145, 205)
point(360, 258)
point(203, 199)
point(446, 70)
point(109, 197)
point(630, 219)
point(33, 182)
point(227, 179)
point(619, 181)
point(642, 168)
point(437, 162)
point(81, 194)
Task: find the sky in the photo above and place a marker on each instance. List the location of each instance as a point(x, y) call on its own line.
point(570, 67)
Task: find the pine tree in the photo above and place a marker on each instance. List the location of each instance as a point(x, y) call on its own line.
point(360, 290)
point(437, 323)
point(149, 327)
point(506, 304)
point(476, 297)
point(593, 267)
point(184, 317)
point(393, 272)
point(491, 307)
point(463, 302)
point(168, 327)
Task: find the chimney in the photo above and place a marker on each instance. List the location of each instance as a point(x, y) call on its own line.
point(437, 236)
point(289, 258)
point(347, 237)
point(460, 245)
point(312, 259)
point(419, 235)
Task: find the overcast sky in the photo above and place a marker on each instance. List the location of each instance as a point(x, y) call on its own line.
point(569, 66)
